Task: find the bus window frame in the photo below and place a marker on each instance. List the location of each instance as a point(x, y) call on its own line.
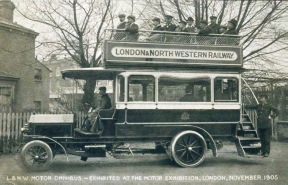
point(238, 89)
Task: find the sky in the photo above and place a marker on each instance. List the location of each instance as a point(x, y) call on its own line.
point(46, 34)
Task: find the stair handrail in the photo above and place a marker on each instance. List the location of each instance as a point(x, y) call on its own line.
point(251, 114)
point(250, 90)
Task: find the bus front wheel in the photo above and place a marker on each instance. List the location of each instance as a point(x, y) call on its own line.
point(188, 148)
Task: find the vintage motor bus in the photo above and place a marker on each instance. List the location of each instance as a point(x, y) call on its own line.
point(181, 92)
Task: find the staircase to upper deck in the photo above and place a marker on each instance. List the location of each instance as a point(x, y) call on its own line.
point(247, 140)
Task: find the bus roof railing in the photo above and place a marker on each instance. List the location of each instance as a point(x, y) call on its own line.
point(155, 36)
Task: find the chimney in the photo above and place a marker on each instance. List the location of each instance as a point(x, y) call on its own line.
point(6, 10)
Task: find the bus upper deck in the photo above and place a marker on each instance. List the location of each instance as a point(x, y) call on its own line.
point(150, 49)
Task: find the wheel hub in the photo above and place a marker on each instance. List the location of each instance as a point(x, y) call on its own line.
point(190, 148)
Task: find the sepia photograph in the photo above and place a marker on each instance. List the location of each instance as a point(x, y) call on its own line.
point(143, 92)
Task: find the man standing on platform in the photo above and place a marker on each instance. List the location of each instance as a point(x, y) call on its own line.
point(265, 113)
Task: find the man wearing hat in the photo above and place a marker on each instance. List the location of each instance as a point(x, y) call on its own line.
point(104, 103)
point(169, 25)
point(231, 26)
point(155, 36)
point(157, 25)
point(265, 113)
point(131, 29)
point(213, 26)
point(190, 27)
point(121, 26)
point(204, 28)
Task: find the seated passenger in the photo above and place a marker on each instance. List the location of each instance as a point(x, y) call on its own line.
point(204, 28)
point(190, 27)
point(156, 36)
point(232, 24)
point(222, 29)
point(131, 29)
point(169, 25)
point(188, 97)
point(120, 33)
point(181, 27)
point(104, 103)
point(182, 37)
point(201, 95)
point(213, 25)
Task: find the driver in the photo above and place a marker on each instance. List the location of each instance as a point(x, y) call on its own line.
point(104, 103)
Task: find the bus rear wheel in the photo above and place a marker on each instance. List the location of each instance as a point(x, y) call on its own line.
point(188, 148)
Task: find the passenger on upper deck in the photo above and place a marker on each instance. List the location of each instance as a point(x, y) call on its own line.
point(204, 28)
point(154, 35)
point(157, 25)
point(121, 26)
point(222, 29)
point(181, 27)
point(169, 25)
point(190, 27)
point(131, 29)
point(213, 26)
point(232, 27)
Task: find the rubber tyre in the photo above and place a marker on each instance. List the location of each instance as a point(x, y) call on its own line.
point(37, 155)
point(188, 148)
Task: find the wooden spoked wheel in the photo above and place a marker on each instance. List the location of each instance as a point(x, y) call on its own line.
point(188, 148)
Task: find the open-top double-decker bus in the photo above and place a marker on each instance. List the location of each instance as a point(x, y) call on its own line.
point(181, 92)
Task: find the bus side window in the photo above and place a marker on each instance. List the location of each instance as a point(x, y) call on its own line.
point(141, 88)
point(226, 89)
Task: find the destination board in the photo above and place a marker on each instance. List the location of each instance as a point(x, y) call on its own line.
point(155, 54)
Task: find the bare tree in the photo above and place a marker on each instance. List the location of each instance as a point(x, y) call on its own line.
point(78, 25)
point(260, 23)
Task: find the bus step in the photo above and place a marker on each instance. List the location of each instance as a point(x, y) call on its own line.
point(249, 139)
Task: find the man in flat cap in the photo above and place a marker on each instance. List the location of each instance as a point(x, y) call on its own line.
point(121, 25)
point(190, 25)
point(120, 28)
point(156, 23)
point(231, 26)
point(169, 25)
point(213, 25)
point(131, 29)
point(265, 113)
point(104, 103)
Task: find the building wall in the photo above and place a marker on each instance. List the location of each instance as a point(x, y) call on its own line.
point(17, 57)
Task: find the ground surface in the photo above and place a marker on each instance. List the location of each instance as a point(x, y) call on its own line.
point(227, 168)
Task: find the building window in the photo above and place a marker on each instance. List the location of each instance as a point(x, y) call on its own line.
point(37, 105)
point(6, 96)
point(51, 72)
point(38, 74)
